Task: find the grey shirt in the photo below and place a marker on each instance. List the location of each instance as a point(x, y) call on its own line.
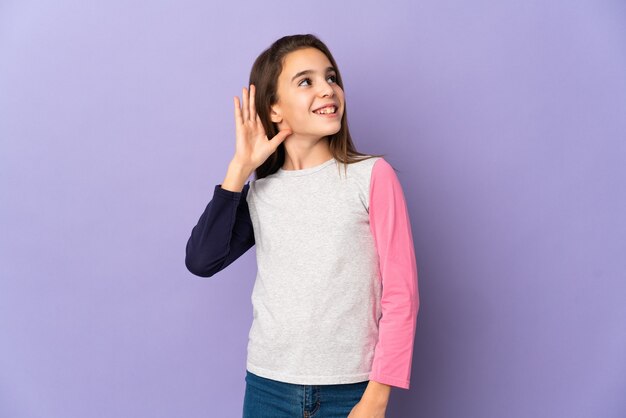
point(316, 298)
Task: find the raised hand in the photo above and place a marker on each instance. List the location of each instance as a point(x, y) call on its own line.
point(252, 146)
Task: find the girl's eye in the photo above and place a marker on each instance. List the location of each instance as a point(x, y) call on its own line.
point(333, 77)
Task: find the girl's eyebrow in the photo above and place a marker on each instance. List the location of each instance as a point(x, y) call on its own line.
point(328, 69)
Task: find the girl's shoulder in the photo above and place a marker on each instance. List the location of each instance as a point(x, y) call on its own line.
point(367, 162)
point(364, 168)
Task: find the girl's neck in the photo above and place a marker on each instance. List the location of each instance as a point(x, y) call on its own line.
point(300, 155)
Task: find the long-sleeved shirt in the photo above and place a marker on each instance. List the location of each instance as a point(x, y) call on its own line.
point(335, 298)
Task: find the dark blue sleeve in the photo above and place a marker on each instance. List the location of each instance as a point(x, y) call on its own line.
point(223, 233)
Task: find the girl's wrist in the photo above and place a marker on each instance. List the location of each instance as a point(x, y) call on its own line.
point(241, 168)
point(376, 393)
point(236, 176)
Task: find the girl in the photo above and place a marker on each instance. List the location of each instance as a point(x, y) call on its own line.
point(335, 299)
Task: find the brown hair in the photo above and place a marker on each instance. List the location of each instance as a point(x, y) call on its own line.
point(264, 75)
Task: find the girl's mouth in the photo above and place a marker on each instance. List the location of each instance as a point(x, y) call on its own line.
point(328, 112)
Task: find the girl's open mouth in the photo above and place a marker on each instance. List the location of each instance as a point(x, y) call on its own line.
point(329, 112)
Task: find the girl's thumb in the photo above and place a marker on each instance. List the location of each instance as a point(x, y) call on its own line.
point(281, 136)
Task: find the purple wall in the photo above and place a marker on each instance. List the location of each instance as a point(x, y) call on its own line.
point(506, 121)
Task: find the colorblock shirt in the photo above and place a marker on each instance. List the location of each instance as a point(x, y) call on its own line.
point(335, 297)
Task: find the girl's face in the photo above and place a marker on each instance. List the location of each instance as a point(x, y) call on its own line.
point(305, 84)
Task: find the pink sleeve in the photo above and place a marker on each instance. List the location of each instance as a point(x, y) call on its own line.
point(391, 229)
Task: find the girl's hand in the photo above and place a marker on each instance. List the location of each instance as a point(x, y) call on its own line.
point(252, 146)
point(367, 410)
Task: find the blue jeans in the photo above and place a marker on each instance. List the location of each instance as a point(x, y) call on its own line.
point(267, 398)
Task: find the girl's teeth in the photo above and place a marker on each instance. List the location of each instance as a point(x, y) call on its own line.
point(326, 110)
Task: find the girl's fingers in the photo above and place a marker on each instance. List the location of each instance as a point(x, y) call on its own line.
point(238, 119)
point(246, 115)
point(252, 102)
point(259, 124)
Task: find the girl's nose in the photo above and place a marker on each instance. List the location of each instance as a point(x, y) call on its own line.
point(326, 89)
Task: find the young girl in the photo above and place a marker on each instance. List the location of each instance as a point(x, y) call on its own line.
point(335, 299)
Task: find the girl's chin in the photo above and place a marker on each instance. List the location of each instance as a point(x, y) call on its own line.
point(332, 126)
point(330, 131)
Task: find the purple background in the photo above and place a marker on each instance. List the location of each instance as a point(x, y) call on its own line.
point(506, 121)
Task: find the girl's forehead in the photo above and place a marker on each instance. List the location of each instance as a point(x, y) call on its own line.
point(304, 59)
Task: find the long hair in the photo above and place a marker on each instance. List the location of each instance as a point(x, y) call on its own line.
point(264, 75)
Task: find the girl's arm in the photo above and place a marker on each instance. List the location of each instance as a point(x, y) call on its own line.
point(391, 228)
point(224, 231)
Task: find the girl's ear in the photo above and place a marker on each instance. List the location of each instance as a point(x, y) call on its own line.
point(275, 114)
